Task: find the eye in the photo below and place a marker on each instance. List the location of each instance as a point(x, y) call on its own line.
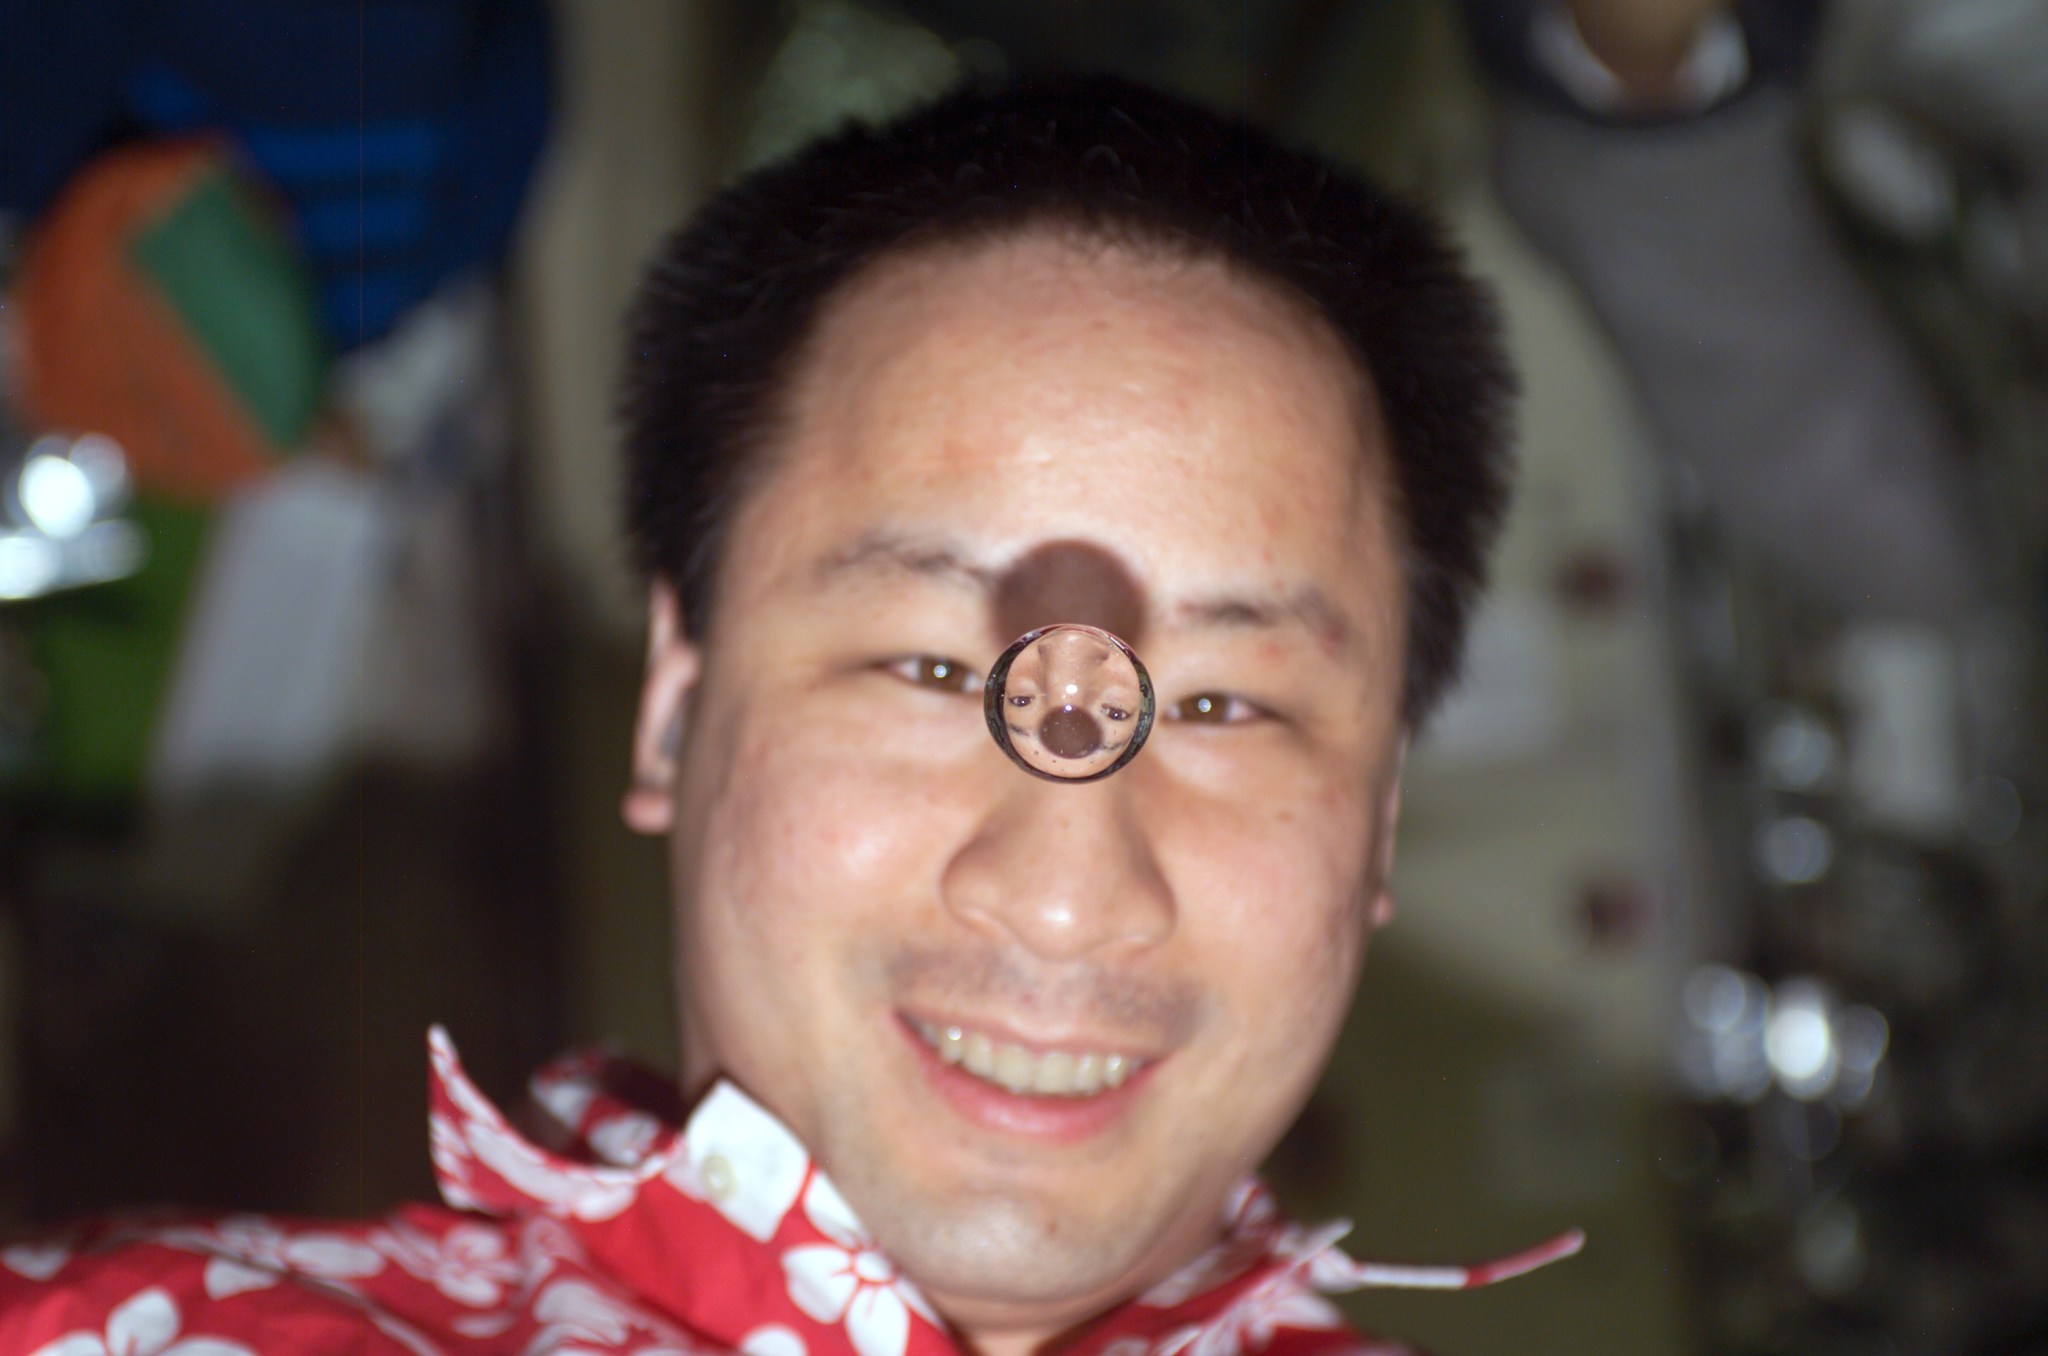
point(1214, 708)
point(932, 671)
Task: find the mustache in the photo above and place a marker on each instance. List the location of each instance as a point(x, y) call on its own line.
point(993, 978)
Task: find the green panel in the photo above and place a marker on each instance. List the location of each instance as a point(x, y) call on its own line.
point(106, 654)
point(246, 298)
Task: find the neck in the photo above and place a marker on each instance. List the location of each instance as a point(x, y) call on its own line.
point(984, 1330)
point(1008, 1343)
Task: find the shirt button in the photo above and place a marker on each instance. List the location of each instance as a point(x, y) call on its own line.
point(720, 1181)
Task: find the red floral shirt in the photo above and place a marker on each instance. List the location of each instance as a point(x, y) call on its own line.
point(629, 1236)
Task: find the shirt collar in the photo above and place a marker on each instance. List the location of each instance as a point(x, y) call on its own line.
point(727, 1225)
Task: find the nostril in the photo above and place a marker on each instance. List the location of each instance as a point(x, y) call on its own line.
point(1070, 732)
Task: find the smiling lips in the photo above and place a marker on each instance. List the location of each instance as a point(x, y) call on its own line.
point(1015, 1069)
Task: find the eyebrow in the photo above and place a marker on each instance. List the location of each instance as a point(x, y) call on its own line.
point(883, 552)
point(888, 552)
point(1307, 607)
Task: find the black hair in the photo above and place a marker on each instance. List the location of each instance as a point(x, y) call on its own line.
point(724, 312)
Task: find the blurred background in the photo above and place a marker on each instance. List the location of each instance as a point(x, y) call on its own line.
point(1722, 879)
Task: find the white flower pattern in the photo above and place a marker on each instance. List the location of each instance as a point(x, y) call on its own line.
point(848, 1280)
point(1247, 1326)
point(591, 1194)
point(1251, 1226)
point(625, 1139)
point(450, 1154)
point(251, 1254)
point(576, 1311)
point(470, 1264)
point(533, 1272)
point(36, 1261)
point(772, 1339)
point(576, 1316)
point(146, 1324)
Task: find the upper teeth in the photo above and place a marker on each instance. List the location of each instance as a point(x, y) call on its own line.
point(1011, 1066)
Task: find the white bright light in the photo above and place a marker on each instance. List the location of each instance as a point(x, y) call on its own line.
point(1798, 1044)
point(56, 495)
point(1799, 1040)
point(1716, 998)
point(28, 565)
point(105, 467)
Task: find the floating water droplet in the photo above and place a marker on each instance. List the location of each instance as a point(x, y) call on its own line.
point(1069, 703)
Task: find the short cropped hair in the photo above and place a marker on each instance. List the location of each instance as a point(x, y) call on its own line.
point(721, 321)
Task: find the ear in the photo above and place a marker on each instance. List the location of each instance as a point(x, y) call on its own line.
point(1386, 820)
point(672, 666)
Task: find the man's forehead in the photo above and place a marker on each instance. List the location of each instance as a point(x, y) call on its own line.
point(1079, 436)
point(925, 307)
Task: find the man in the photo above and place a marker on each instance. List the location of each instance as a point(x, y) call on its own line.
point(979, 1060)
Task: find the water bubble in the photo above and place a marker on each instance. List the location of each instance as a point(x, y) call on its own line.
point(1069, 703)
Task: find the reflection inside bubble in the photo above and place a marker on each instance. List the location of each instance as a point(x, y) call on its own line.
point(1069, 702)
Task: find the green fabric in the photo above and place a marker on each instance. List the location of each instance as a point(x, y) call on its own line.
point(105, 654)
point(246, 299)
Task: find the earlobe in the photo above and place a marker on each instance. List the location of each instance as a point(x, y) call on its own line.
point(1380, 911)
point(672, 666)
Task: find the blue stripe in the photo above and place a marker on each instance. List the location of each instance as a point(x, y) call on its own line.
point(395, 146)
point(383, 221)
point(362, 306)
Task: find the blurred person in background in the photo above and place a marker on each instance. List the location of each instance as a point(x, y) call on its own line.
point(1658, 151)
point(1818, 237)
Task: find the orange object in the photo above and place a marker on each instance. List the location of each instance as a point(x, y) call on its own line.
point(193, 354)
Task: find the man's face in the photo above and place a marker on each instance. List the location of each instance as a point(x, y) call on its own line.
point(867, 891)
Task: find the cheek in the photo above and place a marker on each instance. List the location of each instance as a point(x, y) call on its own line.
point(811, 835)
point(1276, 905)
point(794, 856)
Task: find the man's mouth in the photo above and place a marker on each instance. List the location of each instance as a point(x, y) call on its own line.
point(1015, 1069)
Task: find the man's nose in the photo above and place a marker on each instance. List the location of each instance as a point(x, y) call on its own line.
point(1066, 871)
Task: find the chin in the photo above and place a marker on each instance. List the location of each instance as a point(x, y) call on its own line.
point(1052, 1274)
